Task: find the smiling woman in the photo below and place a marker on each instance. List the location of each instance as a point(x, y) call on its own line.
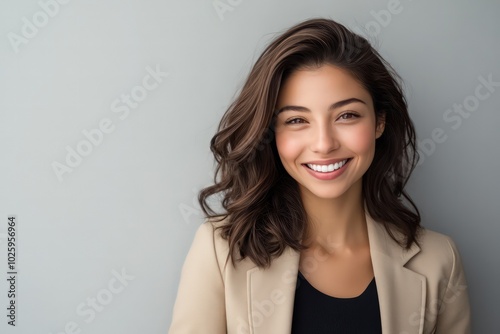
point(339, 135)
point(318, 234)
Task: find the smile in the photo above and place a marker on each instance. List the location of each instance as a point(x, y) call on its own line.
point(327, 168)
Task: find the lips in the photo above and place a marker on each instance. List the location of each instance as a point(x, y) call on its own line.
point(330, 173)
point(326, 162)
point(326, 168)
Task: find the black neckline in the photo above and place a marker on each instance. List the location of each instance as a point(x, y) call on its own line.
point(368, 287)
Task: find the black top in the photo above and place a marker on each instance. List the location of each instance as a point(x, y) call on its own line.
point(318, 313)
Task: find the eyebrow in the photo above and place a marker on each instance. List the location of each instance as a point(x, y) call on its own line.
point(336, 105)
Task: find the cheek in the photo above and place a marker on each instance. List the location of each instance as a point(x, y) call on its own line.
point(287, 146)
point(362, 140)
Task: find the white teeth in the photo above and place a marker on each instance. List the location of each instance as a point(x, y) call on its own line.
point(327, 168)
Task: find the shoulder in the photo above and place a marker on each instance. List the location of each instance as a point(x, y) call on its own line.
point(438, 255)
point(209, 232)
point(214, 246)
point(208, 237)
point(201, 288)
point(211, 245)
point(440, 262)
point(434, 243)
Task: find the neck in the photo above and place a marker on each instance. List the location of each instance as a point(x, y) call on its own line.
point(335, 223)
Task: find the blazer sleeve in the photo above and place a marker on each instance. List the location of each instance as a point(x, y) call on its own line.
point(454, 315)
point(199, 306)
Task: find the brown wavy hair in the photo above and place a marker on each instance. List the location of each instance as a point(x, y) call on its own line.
point(261, 200)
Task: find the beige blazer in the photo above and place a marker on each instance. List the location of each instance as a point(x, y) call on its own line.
point(422, 290)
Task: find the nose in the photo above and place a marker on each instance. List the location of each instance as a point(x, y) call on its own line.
point(324, 138)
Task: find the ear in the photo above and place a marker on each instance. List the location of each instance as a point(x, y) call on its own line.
point(380, 125)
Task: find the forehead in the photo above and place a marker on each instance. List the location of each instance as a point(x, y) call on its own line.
point(325, 84)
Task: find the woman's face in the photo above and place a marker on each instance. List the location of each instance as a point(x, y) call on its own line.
point(325, 122)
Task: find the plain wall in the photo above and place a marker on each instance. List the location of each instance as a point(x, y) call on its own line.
point(113, 229)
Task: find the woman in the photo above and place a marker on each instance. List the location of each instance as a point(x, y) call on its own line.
point(312, 158)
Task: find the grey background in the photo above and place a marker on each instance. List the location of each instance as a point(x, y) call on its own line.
point(131, 203)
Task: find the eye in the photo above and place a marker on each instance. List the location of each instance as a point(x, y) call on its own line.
point(294, 121)
point(348, 115)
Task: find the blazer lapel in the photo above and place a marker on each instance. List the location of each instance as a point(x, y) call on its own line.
point(401, 291)
point(271, 294)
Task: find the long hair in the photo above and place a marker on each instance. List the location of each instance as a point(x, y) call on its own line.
point(263, 210)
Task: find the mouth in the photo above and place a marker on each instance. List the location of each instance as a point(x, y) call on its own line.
point(328, 168)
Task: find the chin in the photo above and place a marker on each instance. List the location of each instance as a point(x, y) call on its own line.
point(326, 193)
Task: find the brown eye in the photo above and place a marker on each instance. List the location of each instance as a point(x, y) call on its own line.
point(348, 115)
point(294, 121)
